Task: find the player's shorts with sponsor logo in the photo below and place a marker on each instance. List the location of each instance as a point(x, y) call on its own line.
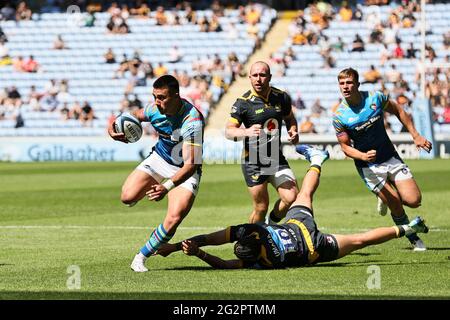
point(375, 176)
point(159, 169)
point(256, 174)
point(321, 247)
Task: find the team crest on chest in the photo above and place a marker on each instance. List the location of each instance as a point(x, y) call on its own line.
point(271, 126)
point(373, 106)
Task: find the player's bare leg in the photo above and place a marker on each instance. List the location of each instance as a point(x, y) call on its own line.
point(409, 192)
point(392, 198)
point(288, 192)
point(180, 201)
point(260, 197)
point(352, 242)
point(135, 187)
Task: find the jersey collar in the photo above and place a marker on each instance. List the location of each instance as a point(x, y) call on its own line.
point(266, 99)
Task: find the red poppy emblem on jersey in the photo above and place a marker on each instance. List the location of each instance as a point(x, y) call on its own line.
point(373, 106)
point(271, 126)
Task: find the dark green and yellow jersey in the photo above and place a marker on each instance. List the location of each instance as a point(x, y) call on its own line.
point(251, 108)
point(281, 245)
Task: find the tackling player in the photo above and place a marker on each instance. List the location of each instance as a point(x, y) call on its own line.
point(295, 243)
point(262, 111)
point(177, 157)
point(359, 126)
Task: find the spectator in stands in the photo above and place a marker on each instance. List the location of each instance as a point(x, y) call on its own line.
point(447, 40)
point(5, 59)
point(358, 44)
point(372, 75)
point(376, 36)
point(160, 16)
point(109, 56)
point(75, 111)
point(398, 52)
point(411, 51)
point(252, 15)
point(217, 8)
point(7, 12)
point(345, 12)
point(23, 12)
point(307, 126)
point(317, 109)
point(65, 112)
point(31, 65)
point(175, 55)
point(253, 32)
point(358, 15)
point(446, 114)
point(87, 114)
point(190, 15)
point(339, 45)
point(14, 97)
point(123, 67)
point(214, 25)
point(3, 37)
point(59, 43)
point(141, 11)
point(429, 52)
point(299, 104)
point(89, 19)
point(160, 70)
point(18, 64)
point(135, 103)
point(392, 75)
point(385, 55)
point(232, 32)
point(33, 99)
point(289, 56)
point(328, 60)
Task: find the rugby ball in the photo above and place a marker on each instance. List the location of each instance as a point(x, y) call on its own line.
point(129, 125)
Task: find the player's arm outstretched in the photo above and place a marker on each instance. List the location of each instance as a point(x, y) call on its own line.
point(191, 247)
point(405, 119)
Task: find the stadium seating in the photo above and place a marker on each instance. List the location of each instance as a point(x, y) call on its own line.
point(90, 79)
point(306, 76)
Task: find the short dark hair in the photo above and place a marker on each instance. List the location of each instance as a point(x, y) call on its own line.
point(248, 248)
point(167, 81)
point(349, 72)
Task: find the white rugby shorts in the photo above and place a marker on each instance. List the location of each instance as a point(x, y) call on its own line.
point(159, 169)
point(376, 175)
point(281, 177)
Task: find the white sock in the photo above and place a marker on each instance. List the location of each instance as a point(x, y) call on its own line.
point(317, 160)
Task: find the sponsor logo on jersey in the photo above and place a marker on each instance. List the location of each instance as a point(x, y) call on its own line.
point(255, 177)
point(353, 119)
point(373, 106)
point(367, 124)
point(259, 111)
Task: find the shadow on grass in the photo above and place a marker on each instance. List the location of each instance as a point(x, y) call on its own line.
point(54, 295)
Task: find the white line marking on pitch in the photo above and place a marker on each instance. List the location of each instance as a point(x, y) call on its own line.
point(179, 228)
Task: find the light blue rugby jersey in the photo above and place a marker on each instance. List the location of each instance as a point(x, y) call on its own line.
point(185, 127)
point(364, 124)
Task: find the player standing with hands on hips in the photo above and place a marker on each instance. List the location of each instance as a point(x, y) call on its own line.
point(177, 157)
point(360, 119)
point(262, 110)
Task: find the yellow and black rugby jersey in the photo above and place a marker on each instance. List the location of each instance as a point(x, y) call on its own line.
point(251, 108)
point(281, 245)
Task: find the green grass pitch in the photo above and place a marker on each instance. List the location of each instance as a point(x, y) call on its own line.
point(57, 215)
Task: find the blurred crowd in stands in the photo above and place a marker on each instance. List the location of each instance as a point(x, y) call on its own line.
point(209, 73)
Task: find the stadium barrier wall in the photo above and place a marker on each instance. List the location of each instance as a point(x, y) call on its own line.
point(216, 150)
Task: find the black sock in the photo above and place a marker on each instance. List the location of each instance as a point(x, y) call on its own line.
point(405, 220)
point(273, 217)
